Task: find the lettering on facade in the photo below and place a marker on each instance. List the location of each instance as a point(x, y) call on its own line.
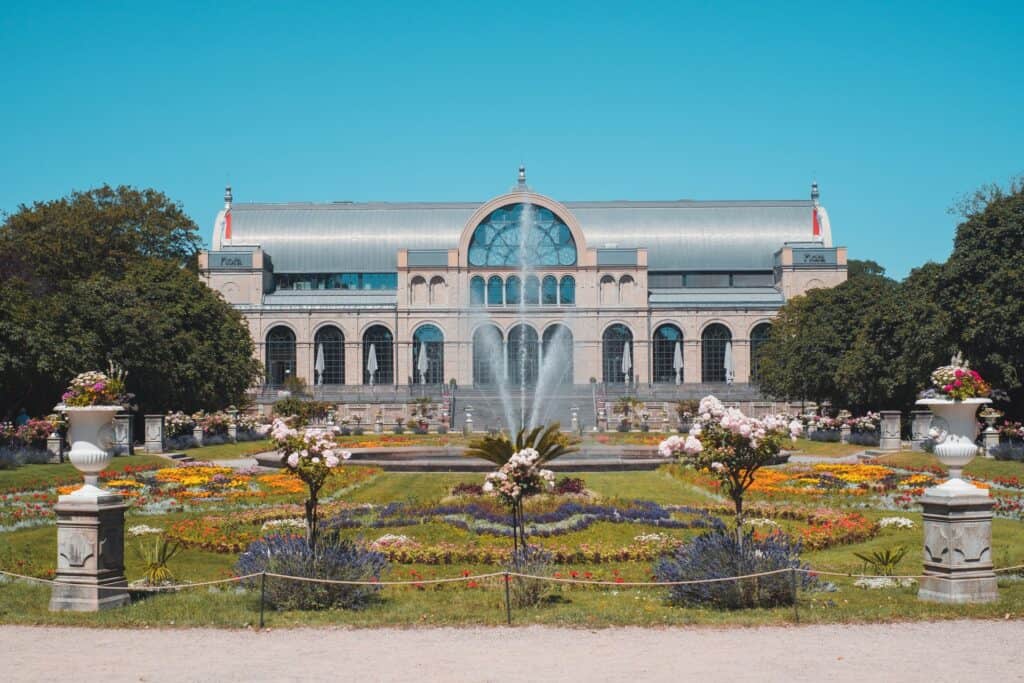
point(225, 260)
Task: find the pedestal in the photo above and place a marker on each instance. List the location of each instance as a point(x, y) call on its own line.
point(890, 437)
point(123, 434)
point(154, 433)
point(991, 441)
point(920, 423)
point(844, 434)
point(90, 553)
point(233, 433)
point(197, 436)
point(957, 545)
point(55, 447)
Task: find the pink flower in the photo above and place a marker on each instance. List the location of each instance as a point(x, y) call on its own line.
point(958, 373)
point(99, 386)
point(948, 388)
point(958, 384)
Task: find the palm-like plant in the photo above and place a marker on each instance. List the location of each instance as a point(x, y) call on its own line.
point(549, 441)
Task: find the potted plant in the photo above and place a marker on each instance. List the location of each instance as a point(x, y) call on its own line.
point(956, 393)
point(91, 402)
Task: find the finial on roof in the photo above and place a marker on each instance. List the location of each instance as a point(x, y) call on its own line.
point(814, 192)
point(522, 176)
point(227, 194)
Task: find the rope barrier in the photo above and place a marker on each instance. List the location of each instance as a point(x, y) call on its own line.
point(146, 589)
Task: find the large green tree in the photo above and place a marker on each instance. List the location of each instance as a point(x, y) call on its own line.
point(109, 274)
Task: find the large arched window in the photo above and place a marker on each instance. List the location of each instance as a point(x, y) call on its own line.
point(556, 353)
point(329, 356)
point(549, 291)
point(510, 233)
point(378, 356)
point(280, 353)
point(523, 360)
point(716, 354)
point(617, 354)
point(428, 355)
point(495, 291)
point(513, 291)
point(476, 291)
point(488, 355)
point(531, 291)
point(567, 291)
point(667, 355)
point(758, 336)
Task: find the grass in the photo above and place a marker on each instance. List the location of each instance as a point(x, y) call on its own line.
point(461, 605)
point(986, 468)
point(825, 449)
point(44, 476)
point(226, 451)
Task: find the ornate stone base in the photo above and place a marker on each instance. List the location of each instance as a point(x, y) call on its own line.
point(957, 545)
point(90, 554)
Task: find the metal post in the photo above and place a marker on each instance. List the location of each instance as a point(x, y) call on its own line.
point(263, 593)
point(796, 605)
point(508, 600)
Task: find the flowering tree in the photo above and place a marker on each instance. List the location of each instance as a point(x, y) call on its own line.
point(518, 478)
point(731, 445)
point(311, 456)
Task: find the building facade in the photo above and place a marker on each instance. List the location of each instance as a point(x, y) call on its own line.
point(653, 293)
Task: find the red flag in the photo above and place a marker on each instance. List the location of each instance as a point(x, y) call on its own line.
point(227, 223)
point(814, 214)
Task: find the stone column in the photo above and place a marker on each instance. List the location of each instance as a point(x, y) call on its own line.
point(197, 434)
point(991, 435)
point(233, 433)
point(55, 447)
point(957, 547)
point(90, 554)
point(920, 423)
point(844, 434)
point(123, 434)
point(602, 420)
point(890, 439)
point(154, 433)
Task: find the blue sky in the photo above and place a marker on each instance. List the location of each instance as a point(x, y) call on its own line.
point(897, 109)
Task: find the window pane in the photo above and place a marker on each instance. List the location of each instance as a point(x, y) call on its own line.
point(616, 342)
point(509, 232)
point(753, 279)
point(532, 291)
point(715, 340)
point(280, 355)
point(428, 355)
point(707, 279)
point(549, 291)
point(664, 280)
point(513, 290)
point(379, 341)
point(667, 355)
point(495, 291)
point(567, 291)
point(476, 291)
point(329, 344)
point(758, 336)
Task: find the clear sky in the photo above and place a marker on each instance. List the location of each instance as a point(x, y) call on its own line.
point(897, 109)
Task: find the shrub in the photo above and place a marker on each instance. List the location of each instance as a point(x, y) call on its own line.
point(305, 411)
point(335, 558)
point(826, 435)
point(719, 554)
point(532, 560)
point(1009, 451)
point(467, 489)
point(864, 438)
point(570, 485)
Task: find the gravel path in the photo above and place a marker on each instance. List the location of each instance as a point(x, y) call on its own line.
point(940, 651)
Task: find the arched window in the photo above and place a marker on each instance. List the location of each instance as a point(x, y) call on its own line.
point(329, 356)
point(523, 359)
point(378, 356)
point(716, 354)
point(418, 291)
point(567, 291)
point(513, 291)
point(556, 353)
point(428, 355)
point(549, 291)
point(438, 291)
point(280, 353)
point(510, 233)
point(495, 291)
point(608, 292)
point(488, 355)
point(531, 292)
point(476, 291)
point(667, 355)
point(617, 354)
point(758, 336)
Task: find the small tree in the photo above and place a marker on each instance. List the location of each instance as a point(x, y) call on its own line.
point(310, 455)
point(732, 446)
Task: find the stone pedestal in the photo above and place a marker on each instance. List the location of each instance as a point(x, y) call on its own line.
point(154, 433)
point(991, 441)
point(844, 434)
point(602, 420)
point(233, 433)
point(90, 553)
point(920, 423)
point(957, 545)
point(55, 447)
point(890, 436)
point(467, 425)
point(123, 435)
point(197, 436)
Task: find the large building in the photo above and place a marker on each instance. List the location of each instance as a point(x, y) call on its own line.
point(653, 293)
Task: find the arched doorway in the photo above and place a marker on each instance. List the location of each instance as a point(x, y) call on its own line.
point(329, 356)
point(617, 354)
point(557, 353)
point(381, 369)
point(428, 355)
point(280, 355)
point(488, 355)
point(667, 354)
point(758, 336)
point(522, 353)
point(716, 347)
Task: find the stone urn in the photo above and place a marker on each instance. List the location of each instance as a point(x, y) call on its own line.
point(957, 429)
point(91, 434)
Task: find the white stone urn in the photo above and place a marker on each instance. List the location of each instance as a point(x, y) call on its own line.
point(91, 434)
point(954, 445)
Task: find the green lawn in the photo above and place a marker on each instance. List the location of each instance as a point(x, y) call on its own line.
point(42, 476)
point(225, 451)
point(459, 604)
point(824, 449)
point(986, 468)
